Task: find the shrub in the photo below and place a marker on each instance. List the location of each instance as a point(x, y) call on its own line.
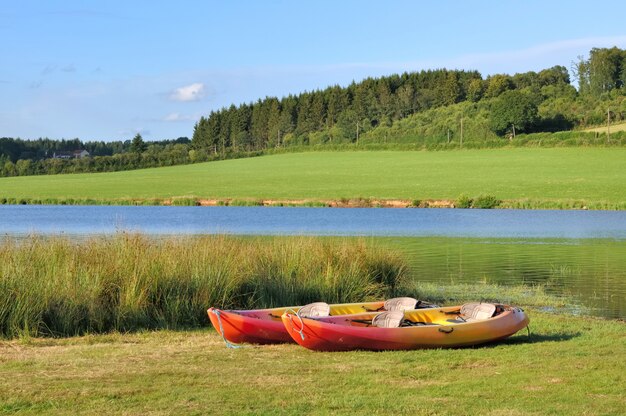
point(485, 202)
point(185, 202)
point(246, 203)
point(463, 201)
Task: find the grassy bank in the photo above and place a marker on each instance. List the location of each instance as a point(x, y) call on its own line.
point(53, 286)
point(521, 177)
point(484, 202)
point(568, 366)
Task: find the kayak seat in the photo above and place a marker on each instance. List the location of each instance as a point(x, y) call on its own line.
point(400, 304)
point(314, 310)
point(406, 322)
point(472, 312)
point(389, 319)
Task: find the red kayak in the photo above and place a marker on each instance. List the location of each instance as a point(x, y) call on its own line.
point(454, 326)
point(264, 326)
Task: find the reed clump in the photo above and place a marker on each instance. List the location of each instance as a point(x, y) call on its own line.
point(59, 287)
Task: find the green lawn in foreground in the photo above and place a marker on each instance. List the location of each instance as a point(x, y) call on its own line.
point(570, 366)
point(591, 174)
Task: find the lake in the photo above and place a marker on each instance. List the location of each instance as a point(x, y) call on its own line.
point(55, 219)
point(579, 254)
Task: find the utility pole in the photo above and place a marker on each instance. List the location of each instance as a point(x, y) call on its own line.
point(513, 124)
point(608, 124)
point(357, 133)
point(448, 136)
point(461, 129)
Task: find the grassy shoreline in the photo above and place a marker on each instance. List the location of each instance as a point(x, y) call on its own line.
point(54, 286)
point(128, 282)
point(323, 203)
point(567, 366)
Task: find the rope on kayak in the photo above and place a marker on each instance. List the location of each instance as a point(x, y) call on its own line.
point(292, 313)
point(219, 321)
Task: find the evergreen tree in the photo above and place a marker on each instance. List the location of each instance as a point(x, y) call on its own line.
point(287, 116)
point(138, 145)
point(451, 90)
point(273, 123)
point(259, 124)
point(337, 103)
point(317, 112)
point(303, 123)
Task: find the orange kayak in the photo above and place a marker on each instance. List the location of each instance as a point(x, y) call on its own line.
point(264, 326)
point(455, 326)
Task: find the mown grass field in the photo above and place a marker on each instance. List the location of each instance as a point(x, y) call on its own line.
point(553, 174)
point(569, 366)
point(613, 128)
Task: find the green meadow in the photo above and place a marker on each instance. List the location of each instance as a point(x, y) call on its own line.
point(525, 177)
point(118, 325)
point(568, 366)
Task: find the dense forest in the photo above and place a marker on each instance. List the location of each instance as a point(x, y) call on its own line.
point(427, 109)
point(525, 102)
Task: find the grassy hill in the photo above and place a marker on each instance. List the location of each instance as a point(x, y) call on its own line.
point(554, 176)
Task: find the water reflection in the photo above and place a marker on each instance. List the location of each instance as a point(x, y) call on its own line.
point(592, 271)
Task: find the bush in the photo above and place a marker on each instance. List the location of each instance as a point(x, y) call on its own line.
point(463, 201)
point(246, 203)
point(185, 202)
point(486, 202)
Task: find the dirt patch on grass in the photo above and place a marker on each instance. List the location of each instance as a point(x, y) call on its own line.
point(332, 203)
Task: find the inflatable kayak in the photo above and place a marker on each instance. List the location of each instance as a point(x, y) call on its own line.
point(264, 326)
point(455, 326)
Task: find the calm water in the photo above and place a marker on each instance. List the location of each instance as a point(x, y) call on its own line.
point(590, 272)
point(579, 254)
point(313, 221)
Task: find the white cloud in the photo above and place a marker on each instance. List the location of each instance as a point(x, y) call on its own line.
point(193, 92)
point(179, 117)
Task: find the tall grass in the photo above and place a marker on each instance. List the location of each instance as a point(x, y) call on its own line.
point(58, 287)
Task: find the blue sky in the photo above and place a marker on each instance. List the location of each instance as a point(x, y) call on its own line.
point(105, 70)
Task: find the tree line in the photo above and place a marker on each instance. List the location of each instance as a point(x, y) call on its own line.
point(20, 157)
point(434, 106)
point(14, 148)
point(336, 114)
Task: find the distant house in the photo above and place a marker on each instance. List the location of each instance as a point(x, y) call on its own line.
point(75, 154)
point(79, 154)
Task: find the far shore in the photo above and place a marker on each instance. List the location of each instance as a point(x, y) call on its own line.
point(330, 203)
